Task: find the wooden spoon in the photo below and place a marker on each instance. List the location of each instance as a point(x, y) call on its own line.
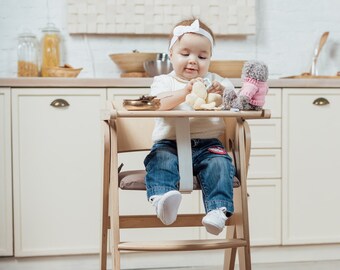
point(317, 50)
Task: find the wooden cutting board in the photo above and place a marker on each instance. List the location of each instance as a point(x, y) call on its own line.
point(309, 76)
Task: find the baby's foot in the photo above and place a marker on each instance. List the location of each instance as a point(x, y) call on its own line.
point(214, 221)
point(167, 206)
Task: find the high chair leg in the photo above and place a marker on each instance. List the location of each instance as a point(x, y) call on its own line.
point(105, 198)
point(230, 253)
point(114, 203)
point(243, 230)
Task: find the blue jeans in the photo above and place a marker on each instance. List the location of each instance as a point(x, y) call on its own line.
point(214, 171)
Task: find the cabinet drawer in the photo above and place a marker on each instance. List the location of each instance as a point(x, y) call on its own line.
point(265, 163)
point(273, 102)
point(265, 133)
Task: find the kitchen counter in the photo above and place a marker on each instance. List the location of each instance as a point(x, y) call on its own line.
point(146, 82)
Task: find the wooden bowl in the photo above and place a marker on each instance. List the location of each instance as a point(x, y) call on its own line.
point(67, 72)
point(227, 68)
point(132, 62)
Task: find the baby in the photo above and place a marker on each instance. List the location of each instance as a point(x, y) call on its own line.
point(190, 51)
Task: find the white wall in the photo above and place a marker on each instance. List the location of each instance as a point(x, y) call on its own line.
point(287, 32)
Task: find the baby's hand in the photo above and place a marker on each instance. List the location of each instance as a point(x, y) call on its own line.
point(188, 87)
point(216, 88)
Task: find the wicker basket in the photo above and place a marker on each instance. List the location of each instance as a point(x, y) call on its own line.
point(65, 71)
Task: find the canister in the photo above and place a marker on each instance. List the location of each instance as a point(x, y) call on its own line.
point(50, 45)
point(28, 59)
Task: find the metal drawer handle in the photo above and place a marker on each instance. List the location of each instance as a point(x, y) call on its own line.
point(320, 101)
point(59, 103)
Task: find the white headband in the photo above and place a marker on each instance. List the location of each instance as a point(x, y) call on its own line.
point(193, 28)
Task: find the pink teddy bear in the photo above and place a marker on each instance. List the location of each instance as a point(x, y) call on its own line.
point(254, 88)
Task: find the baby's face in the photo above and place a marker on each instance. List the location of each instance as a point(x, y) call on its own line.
point(190, 56)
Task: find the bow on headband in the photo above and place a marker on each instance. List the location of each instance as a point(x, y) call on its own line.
point(181, 29)
point(193, 28)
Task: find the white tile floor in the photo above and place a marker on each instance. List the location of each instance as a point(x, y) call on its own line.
point(326, 265)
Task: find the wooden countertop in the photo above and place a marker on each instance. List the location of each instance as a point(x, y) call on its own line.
point(146, 82)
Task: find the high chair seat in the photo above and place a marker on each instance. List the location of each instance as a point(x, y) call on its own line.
point(135, 180)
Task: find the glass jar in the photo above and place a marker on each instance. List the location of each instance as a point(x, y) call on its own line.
point(28, 60)
point(50, 48)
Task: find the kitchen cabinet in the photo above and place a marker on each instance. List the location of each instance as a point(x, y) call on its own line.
point(6, 231)
point(56, 171)
point(57, 168)
point(310, 163)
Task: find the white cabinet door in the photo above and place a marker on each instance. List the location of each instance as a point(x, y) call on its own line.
point(57, 170)
point(311, 179)
point(6, 231)
point(264, 211)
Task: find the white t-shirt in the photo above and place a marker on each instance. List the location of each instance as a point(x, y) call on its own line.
point(200, 128)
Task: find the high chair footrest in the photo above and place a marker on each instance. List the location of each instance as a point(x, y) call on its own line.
point(182, 245)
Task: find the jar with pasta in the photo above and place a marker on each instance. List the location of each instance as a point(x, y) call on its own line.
point(28, 63)
point(50, 47)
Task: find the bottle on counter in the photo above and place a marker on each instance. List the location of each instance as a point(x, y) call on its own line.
point(50, 46)
point(28, 59)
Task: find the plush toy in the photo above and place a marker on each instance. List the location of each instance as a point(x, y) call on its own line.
point(200, 99)
point(252, 94)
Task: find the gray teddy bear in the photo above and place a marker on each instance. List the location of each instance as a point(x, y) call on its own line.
point(254, 88)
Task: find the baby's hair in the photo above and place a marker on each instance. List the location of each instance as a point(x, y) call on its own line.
point(189, 22)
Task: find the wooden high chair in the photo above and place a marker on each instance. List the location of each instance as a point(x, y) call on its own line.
point(126, 131)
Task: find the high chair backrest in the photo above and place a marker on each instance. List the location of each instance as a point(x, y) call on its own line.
point(134, 135)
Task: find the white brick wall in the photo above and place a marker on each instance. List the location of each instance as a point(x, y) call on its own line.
point(158, 17)
point(287, 32)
